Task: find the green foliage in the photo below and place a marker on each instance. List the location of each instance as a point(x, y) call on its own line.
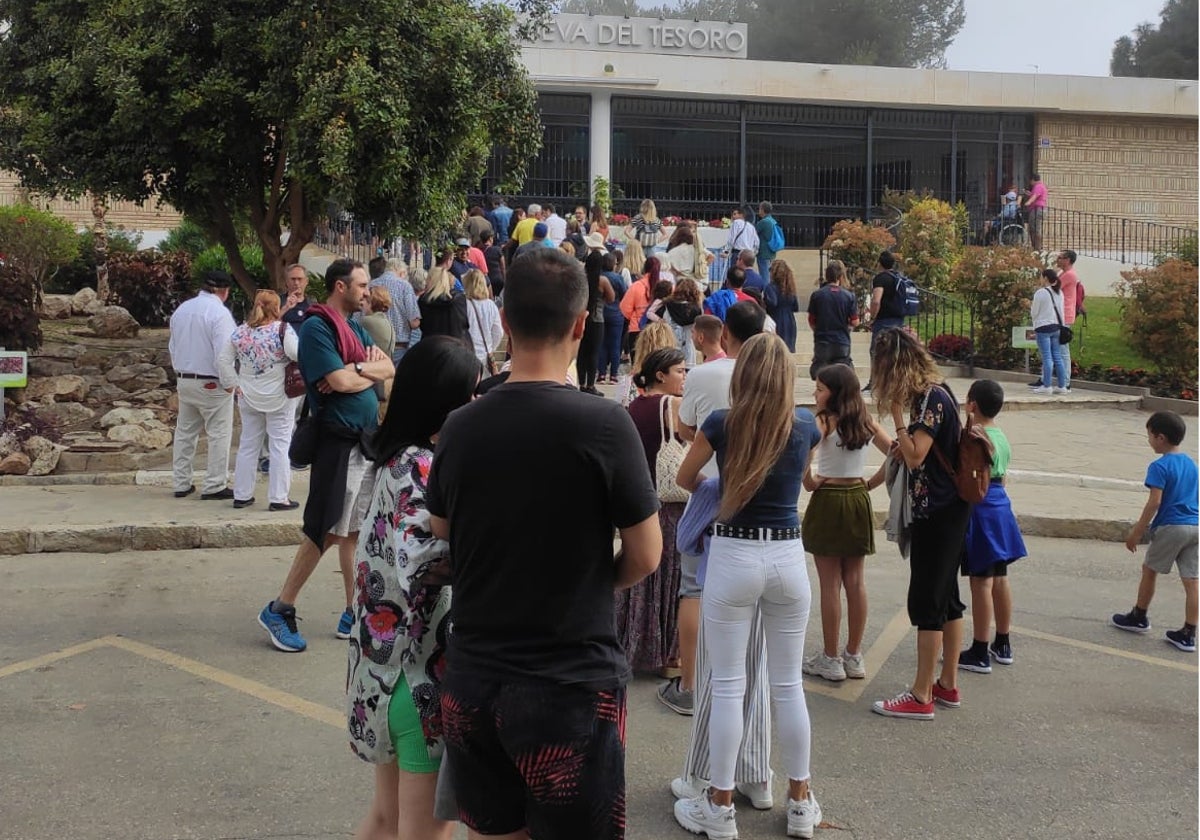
point(81, 271)
point(1184, 248)
point(1166, 51)
point(188, 237)
point(1158, 313)
point(930, 243)
point(20, 326)
point(35, 243)
point(858, 246)
point(267, 110)
point(150, 284)
point(1102, 339)
point(998, 283)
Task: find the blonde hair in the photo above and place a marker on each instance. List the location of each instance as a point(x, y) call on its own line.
point(266, 308)
point(648, 211)
point(759, 423)
point(439, 283)
point(379, 298)
point(476, 286)
point(567, 247)
point(656, 336)
point(635, 258)
point(902, 369)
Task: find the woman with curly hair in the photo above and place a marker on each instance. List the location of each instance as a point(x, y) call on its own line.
point(781, 302)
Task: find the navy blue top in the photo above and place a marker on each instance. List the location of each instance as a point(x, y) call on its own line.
point(832, 308)
point(775, 503)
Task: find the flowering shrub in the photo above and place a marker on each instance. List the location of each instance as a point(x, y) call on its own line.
point(858, 245)
point(931, 243)
point(1160, 384)
point(619, 219)
point(999, 284)
point(949, 346)
point(150, 284)
point(671, 221)
point(1158, 314)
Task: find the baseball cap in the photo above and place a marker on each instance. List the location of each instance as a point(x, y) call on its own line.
point(540, 230)
point(216, 279)
point(462, 242)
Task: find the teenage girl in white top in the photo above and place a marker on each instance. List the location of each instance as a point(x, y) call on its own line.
point(839, 527)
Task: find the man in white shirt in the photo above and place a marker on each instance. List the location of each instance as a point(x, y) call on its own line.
point(556, 226)
point(200, 330)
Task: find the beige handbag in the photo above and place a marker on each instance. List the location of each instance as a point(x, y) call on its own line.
point(671, 452)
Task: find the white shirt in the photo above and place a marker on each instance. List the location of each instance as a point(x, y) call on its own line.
point(483, 319)
point(200, 330)
point(556, 229)
point(742, 236)
point(262, 359)
point(706, 390)
point(1046, 308)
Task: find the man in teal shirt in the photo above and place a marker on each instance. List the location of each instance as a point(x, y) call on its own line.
point(765, 228)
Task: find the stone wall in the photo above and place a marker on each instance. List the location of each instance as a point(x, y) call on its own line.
point(1131, 167)
point(121, 214)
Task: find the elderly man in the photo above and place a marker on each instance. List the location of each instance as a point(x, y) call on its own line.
point(295, 302)
point(404, 314)
point(200, 329)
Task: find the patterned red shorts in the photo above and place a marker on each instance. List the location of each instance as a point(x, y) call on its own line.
point(545, 757)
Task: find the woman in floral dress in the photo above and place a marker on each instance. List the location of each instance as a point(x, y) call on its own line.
point(401, 613)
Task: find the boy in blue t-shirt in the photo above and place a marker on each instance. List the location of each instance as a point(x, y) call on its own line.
point(1172, 515)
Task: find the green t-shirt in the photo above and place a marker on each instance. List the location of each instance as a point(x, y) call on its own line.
point(318, 358)
point(1003, 451)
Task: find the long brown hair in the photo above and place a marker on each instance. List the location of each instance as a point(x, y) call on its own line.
point(266, 308)
point(845, 408)
point(902, 369)
point(759, 423)
point(783, 278)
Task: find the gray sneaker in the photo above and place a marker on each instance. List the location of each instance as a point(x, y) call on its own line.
point(827, 667)
point(675, 698)
point(853, 663)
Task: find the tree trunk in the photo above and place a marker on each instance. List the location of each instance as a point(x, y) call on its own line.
point(100, 245)
point(221, 226)
point(277, 256)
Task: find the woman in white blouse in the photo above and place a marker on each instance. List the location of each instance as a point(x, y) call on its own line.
point(482, 316)
point(263, 346)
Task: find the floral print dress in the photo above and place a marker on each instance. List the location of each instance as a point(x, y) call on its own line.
point(400, 628)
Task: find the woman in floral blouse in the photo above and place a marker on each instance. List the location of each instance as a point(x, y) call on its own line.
point(401, 613)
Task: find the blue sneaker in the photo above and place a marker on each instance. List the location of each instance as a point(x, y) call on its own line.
point(264, 465)
point(345, 624)
point(1128, 621)
point(282, 628)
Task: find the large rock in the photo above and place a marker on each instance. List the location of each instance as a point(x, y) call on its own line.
point(126, 416)
point(9, 444)
point(146, 438)
point(44, 454)
point(56, 306)
point(135, 356)
point(15, 463)
point(104, 393)
point(43, 366)
point(113, 322)
point(142, 377)
point(158, 396)
point(85, 302)
point(63, 414)
point(65, 388)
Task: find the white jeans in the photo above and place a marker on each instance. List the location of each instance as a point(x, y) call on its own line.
point(210, 410)
point(276, 427)
point(745, 575)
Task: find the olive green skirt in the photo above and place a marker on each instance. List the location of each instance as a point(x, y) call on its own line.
point(838, 522)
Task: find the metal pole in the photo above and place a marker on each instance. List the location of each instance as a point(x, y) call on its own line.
point(869, 180)
point(742, 154)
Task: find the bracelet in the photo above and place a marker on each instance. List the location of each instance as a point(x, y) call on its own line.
point(901, 432)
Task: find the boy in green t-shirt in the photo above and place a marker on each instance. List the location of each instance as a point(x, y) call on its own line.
point(993, 541)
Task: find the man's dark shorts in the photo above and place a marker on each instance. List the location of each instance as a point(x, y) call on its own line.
point(546, 757)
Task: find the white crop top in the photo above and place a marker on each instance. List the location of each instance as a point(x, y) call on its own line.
point(836, 461)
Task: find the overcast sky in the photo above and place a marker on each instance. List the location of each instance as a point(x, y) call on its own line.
point(1073, 37)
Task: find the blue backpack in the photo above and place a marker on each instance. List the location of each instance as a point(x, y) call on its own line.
point(908, 294)
point(776, 242)
point(718, 303)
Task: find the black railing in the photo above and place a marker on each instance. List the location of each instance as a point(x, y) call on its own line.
point(1109, 237)
point(947, 327)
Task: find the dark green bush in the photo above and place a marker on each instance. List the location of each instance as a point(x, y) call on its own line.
point(20, 327)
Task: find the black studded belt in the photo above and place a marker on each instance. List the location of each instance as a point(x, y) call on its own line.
point(764, 534)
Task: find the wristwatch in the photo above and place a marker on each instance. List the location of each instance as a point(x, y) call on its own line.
point(358, 368)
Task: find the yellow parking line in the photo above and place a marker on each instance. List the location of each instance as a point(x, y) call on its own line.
point(257, 690)
point(49, 658)
point(851, 690)
point(1111, 651)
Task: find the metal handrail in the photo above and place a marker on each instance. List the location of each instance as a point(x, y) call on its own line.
point(941, 314)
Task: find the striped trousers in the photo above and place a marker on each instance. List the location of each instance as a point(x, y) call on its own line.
point(754, 756)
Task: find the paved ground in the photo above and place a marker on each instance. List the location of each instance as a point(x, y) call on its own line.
point(139, 699)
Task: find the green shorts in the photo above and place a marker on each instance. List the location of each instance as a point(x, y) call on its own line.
point(408, 736)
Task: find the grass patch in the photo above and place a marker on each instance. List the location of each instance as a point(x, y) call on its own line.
point(1101, 340)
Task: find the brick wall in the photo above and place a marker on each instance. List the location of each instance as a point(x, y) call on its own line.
point(1130, 167)
point(79, 211)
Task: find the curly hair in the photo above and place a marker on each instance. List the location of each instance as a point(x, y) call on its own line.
point(902, 369)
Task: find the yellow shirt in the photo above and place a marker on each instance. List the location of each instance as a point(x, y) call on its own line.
point(523, 232)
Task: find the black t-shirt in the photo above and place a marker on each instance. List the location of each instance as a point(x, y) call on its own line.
point(533, 477)
point(889, 305)
point(930, 486)
point(294, 315)
point(832, 308)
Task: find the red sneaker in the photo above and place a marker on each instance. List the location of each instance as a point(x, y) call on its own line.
point(948, 697)
point(904, 706)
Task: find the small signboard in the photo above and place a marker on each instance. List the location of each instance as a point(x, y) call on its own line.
point(1024, 338)
point(1044, 142)
point(14, 368)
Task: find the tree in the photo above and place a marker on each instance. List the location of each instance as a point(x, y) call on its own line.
point(1168, 51)
point(270, 110)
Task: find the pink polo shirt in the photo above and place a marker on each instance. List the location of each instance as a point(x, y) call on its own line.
point(1070, 285)
point(1037, 196)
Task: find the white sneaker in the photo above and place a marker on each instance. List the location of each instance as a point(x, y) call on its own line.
point(688, 787)
point(826, 667)
point(759, 794)
point(1043, 390)
point(1062, 391)
point(856, 669)
point(701, 816)
point(803, 815)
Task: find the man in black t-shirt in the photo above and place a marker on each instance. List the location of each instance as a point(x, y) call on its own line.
point(886, 306)
point(832, 313)
point(533, 699)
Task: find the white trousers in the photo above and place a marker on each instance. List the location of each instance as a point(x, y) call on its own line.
point(209, 410)
point(745, 577)
point(276, 427)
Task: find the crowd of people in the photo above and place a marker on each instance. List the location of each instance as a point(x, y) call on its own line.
point(486, 678)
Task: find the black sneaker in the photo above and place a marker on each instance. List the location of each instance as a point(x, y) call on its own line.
point(969, 660)
point(1001, 652)
point(1181, 640)
point(1126, 621)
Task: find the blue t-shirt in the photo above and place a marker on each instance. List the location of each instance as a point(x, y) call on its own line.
point(754, 280)
point(774, 505)
point(612, 309)
point(318, 358)
point(832, 308)
point(1175, 474)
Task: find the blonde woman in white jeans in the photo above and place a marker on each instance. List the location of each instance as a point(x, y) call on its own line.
point(756, 561)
